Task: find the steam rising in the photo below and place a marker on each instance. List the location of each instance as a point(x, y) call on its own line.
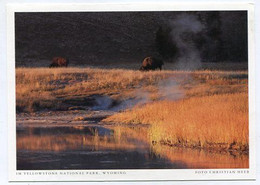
point(169, 90)
point(102, 103)
point(141, 98)
point(184, 29)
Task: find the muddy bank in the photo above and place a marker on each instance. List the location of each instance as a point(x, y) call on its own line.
point(62, 118)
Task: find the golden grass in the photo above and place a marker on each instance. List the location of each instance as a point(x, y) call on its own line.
point(43, 88)
point(219, 121)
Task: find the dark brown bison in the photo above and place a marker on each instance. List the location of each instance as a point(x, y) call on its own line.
point(59, 62)
point(151, 63)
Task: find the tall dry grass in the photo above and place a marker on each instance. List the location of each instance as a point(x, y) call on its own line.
point(43, 88)
point(218, 121)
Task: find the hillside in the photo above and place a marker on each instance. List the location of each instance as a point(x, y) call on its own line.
point(128, 37)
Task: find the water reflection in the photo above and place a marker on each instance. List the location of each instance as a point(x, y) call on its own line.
point(84, 148)
point(201, 159)
point(72, 138)
point(97, 147)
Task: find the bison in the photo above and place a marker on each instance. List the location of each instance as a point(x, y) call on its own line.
point(59, 62)
point(151, 63)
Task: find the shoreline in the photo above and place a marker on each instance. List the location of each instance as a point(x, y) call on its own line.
point(53, 119)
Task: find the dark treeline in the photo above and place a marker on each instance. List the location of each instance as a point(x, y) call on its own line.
point(215, 36)
point(222, 36)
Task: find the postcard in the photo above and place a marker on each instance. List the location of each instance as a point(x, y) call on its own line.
point(131, 92)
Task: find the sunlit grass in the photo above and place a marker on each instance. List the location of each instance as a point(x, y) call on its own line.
point(44, 88)
point(41, 88)
point(218, 121)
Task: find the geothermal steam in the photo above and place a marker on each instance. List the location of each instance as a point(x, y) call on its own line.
point(184, 29)
point(169, 89)
point(106, 103)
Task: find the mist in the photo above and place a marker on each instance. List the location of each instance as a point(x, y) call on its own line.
point(169, 89)
point(183, 31)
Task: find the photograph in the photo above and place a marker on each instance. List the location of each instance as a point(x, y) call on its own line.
point(125, 91)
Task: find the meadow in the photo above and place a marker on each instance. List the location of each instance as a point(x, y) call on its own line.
point(196, 109)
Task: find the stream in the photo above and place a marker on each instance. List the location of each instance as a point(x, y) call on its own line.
point(108, 146)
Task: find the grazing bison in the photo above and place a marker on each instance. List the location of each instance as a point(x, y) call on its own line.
point(151, 63)
point(59, 62)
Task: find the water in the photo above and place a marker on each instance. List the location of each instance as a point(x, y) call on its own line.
point(100, 147)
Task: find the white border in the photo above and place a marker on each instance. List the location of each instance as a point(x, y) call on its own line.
point(136, 175)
